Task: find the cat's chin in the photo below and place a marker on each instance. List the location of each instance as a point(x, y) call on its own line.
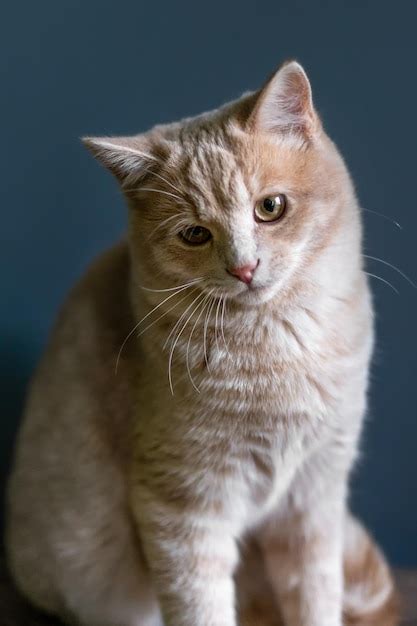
point(255, 296)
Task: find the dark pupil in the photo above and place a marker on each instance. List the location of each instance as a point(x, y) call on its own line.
point(196, 232)
point(269, 204)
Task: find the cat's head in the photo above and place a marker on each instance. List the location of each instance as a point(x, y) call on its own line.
point(242, 198)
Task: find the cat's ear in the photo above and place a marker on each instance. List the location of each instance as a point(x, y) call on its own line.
point(126, 157)
point(285, 103)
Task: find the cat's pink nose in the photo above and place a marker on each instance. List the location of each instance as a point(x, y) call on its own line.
point(245, 272)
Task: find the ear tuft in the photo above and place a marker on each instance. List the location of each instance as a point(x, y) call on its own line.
point(285, 103)
point(125, 157)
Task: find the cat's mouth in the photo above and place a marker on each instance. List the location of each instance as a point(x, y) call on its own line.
point(255, 295)
point(252, 294)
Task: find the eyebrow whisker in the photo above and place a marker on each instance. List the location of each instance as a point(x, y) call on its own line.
point(166, 193)
point(164, 222)
point(165, 180)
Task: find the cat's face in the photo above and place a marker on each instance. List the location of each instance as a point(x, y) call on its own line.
point(240, 208)
point(245, 218)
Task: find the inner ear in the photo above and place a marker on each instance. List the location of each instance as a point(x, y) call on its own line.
point(285, 103)
point(128, 158)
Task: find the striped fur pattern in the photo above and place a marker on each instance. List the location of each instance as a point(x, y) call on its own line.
point(188, 437)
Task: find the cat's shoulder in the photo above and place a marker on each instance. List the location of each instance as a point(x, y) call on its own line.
point(98, 306)
point(107, 276)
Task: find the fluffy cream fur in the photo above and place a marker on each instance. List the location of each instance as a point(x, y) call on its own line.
point(208, 475)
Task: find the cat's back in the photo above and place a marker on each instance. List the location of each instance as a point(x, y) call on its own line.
point(67, 490)
point(75, 386)
point(96, 315)
point(77, 409)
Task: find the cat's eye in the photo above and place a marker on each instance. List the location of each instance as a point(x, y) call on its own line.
point(270, 209)
point(195, 235)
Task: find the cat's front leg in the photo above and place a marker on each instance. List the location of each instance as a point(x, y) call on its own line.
point(192, 558)
point(302, 546)
point(304, 564)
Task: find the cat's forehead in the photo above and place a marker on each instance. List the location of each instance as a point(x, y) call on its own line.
point(211, 172)
point(221, 171)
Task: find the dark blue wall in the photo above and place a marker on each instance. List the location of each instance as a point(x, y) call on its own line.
point(70, 68)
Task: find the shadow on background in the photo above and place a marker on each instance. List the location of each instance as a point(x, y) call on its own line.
point(16, 364)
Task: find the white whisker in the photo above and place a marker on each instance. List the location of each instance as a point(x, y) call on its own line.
point(385, 217)
point(166, 193)
point(206, 322)
point(178, 322)
point(375, 258)
point(138, 189)
point(192, 282)
point(164, 222)
point(123, 345)
point(383, 281)
point(216, 325)
point(166, 312)
point(203, 303)
point(142, 320)
point(171, 355)
point(165, 181)
point(222, 325)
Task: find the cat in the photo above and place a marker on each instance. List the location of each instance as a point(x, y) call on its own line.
point(189, 434)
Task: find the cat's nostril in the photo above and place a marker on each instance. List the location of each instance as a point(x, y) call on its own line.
point(244, 272)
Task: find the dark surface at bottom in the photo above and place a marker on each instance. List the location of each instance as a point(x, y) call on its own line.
point(14, 611)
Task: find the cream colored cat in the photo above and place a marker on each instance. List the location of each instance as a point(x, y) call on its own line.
point(189, 433)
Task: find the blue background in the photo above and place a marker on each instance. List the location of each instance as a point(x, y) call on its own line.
point(71, 68)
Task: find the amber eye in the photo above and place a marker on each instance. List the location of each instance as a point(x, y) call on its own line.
point(271, 208)
point(195, 235)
